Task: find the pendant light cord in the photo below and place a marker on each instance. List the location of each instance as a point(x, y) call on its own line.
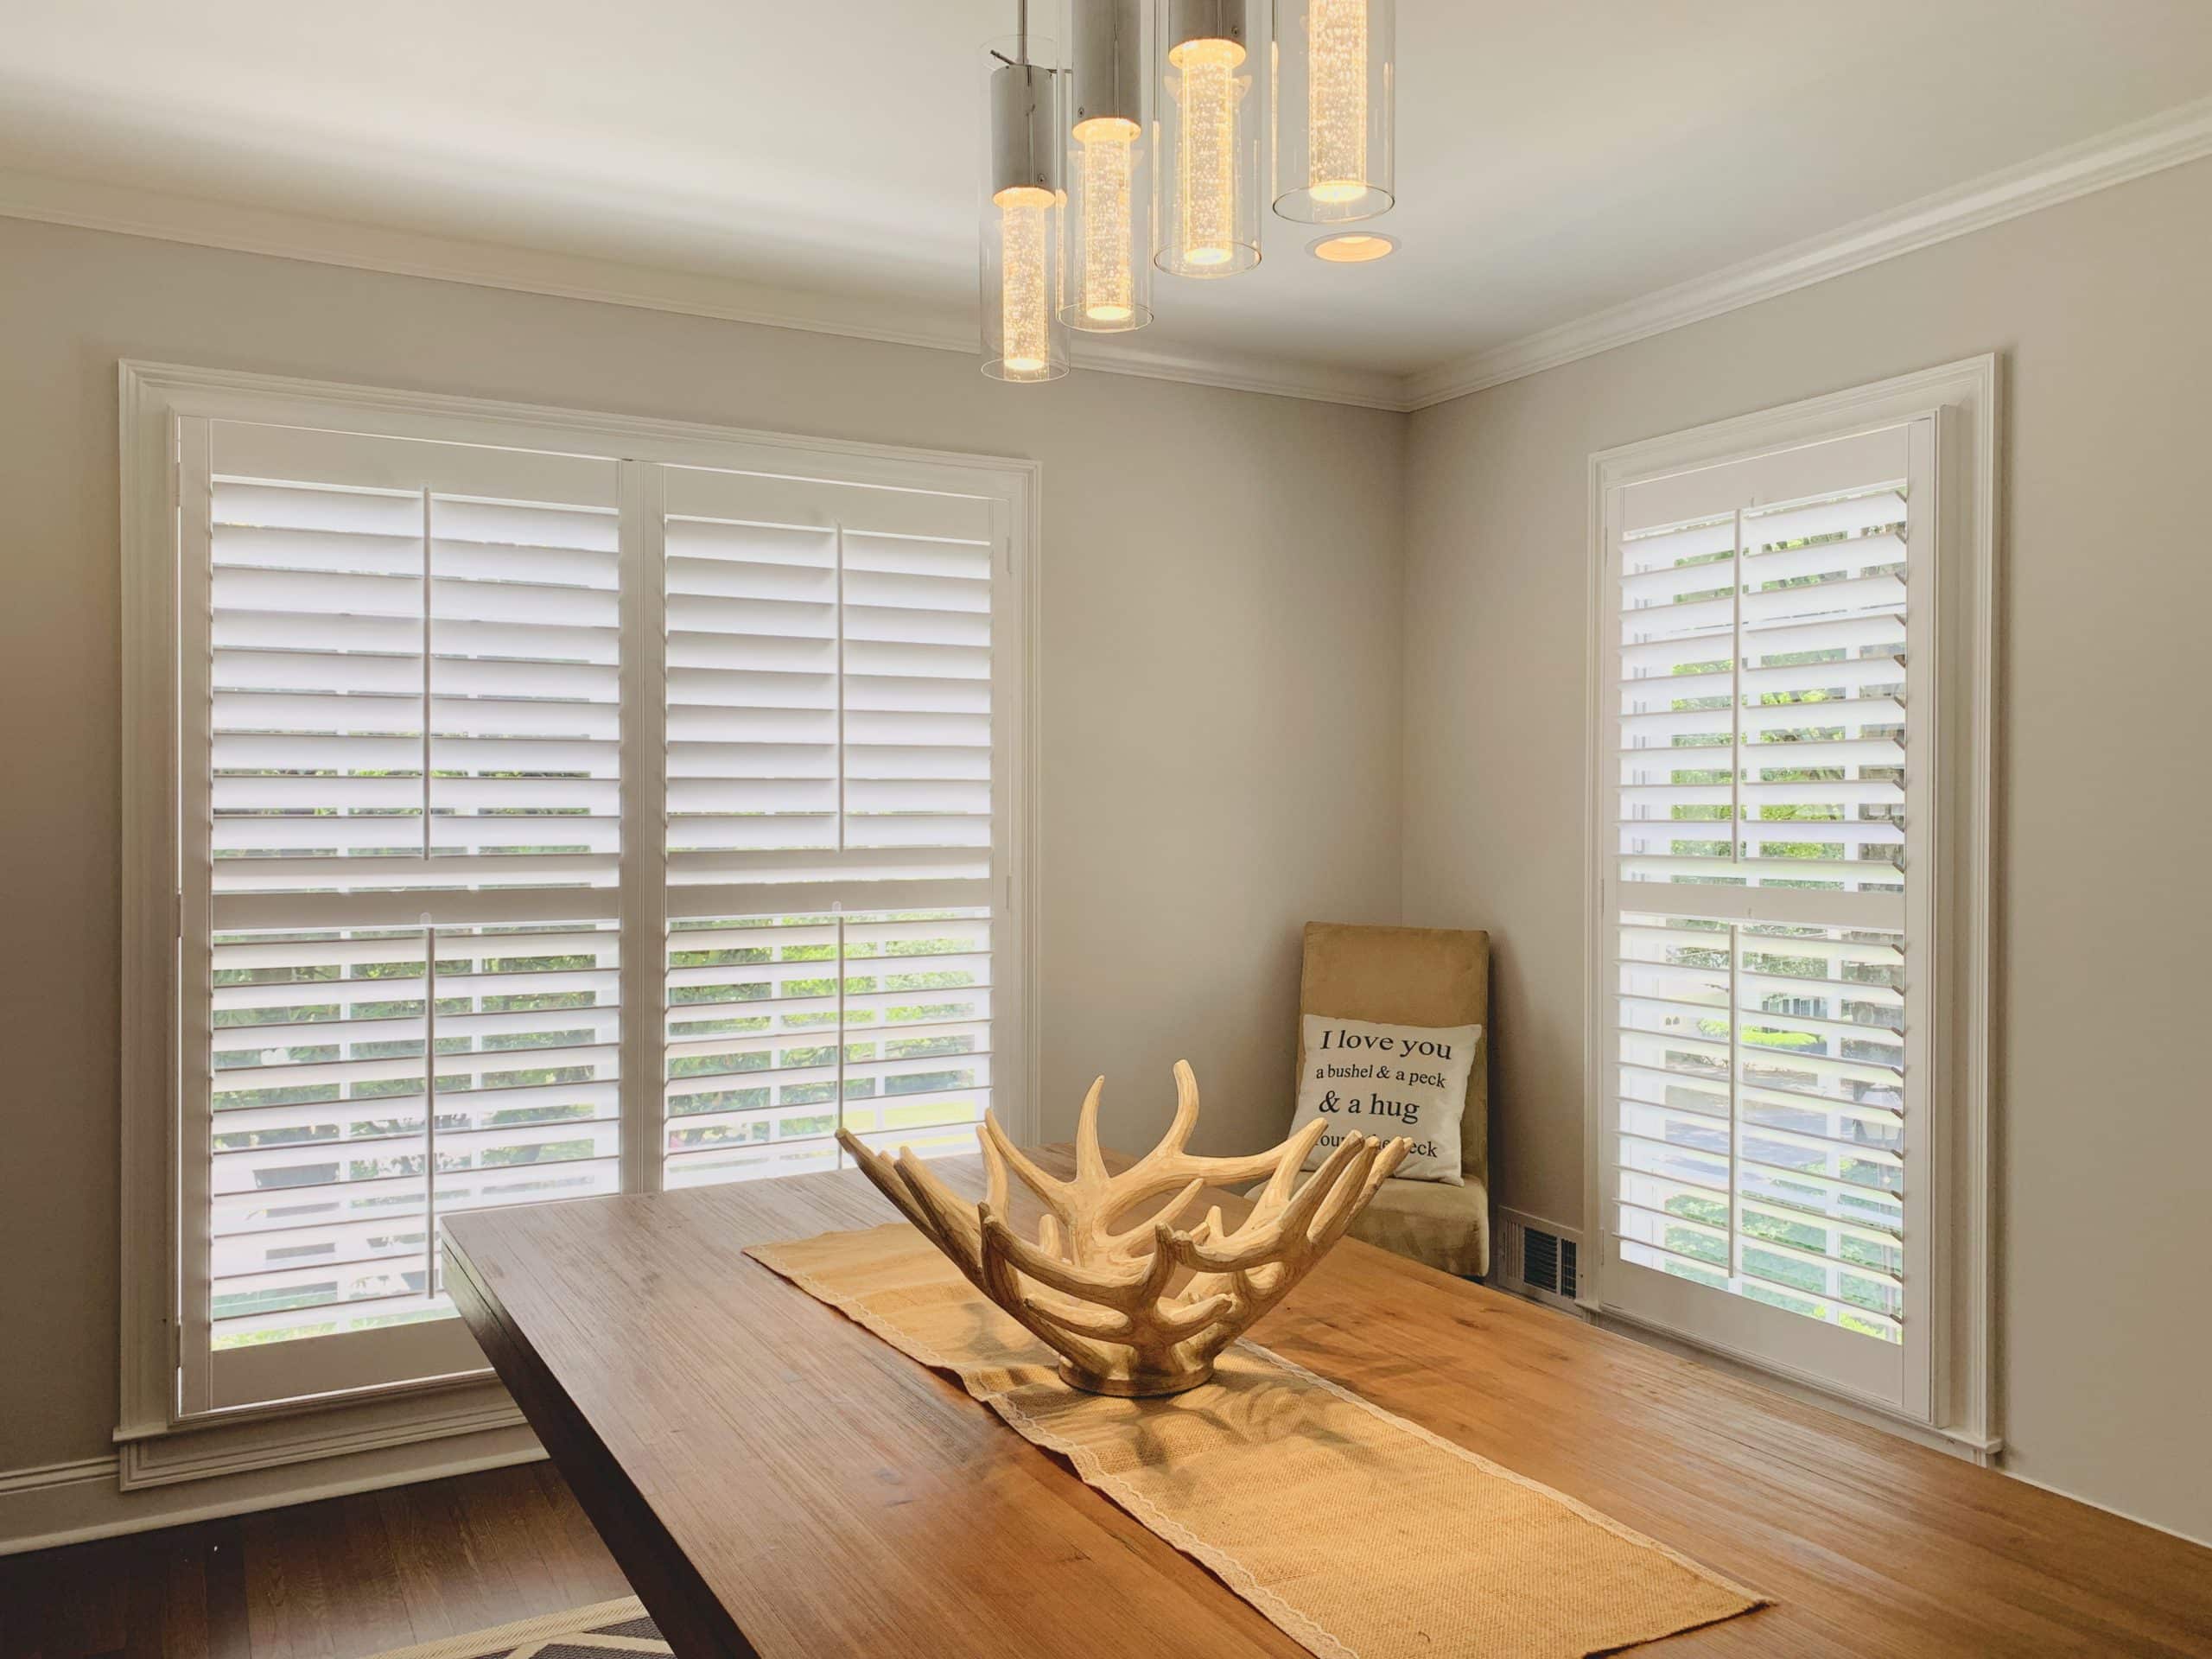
point(1020, 58)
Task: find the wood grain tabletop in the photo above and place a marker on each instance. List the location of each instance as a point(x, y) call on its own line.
point(776, 1481)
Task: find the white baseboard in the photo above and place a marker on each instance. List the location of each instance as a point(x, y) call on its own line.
point(199, 1476)
point(2204, 1541)
point(1982, 1452)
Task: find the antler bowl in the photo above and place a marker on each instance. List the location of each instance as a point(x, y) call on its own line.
point(1100, 1294)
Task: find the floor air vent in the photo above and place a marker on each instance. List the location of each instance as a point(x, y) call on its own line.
point(1546, 1261)
point(1537, 1259)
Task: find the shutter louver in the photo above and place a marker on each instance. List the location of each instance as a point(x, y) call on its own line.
point(318, 709)
point(525, 701)
point(1762, 802)
point(828, 687)
point(752, 697)
point(322, 1193)
point(917, 700)
point(756, 1069)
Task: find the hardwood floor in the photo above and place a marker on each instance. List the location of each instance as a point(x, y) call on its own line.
point(337, 1579)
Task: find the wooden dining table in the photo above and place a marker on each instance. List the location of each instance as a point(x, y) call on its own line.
point(776, 1481)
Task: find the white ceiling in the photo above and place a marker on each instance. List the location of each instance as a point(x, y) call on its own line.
point(1556, 158)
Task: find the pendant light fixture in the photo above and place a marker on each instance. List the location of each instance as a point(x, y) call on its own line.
point(1213, 127)
point(1337, 109)
point(1023, 340)
point(1110, 189)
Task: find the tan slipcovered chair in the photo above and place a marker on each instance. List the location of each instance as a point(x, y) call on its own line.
point(1414, 977)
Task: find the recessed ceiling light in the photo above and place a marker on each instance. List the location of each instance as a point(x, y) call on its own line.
point(1353, 248)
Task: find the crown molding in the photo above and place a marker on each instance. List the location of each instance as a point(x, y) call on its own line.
point(130, 210)
point(1236, 371)
point(2179, 135)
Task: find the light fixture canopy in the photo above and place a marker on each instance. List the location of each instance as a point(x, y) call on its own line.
point(1336, 110)
point(1020, 245)
point(1109, 216)
point(1211, 60)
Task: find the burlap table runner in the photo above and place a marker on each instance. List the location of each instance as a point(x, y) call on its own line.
point(1359, 1534)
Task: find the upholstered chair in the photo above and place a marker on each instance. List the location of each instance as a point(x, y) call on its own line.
point(1414, 977)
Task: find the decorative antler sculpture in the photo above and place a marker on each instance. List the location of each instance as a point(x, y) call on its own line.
point(1099, 1298)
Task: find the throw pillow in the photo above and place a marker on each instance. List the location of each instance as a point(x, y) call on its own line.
point(1388, 1081)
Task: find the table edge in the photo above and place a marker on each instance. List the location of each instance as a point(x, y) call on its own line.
point(690, 1616)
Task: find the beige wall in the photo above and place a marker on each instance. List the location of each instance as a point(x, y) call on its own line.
point(1220, 575)
point(2104, 1114)
point(1222, 624)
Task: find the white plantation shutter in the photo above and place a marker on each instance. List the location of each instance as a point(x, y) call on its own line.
point(832, 831)
point(553, 825)
point(1765, 848)
point(409, 703)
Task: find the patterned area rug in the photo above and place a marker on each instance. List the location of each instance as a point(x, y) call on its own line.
point(600, 1632)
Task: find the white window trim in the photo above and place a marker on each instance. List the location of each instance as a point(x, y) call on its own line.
point(153, 398)
point(1963, 397)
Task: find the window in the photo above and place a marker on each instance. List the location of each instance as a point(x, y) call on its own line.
point(556, 808)
point(1789, 802)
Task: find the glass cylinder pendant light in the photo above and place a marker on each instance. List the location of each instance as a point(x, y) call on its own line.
point(1213, 128)
point(1023, 340)
point(1108, 268)
point(1336, 132)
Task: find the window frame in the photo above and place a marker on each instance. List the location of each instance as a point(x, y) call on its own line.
point(161, 406)
point(1948, 1388)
